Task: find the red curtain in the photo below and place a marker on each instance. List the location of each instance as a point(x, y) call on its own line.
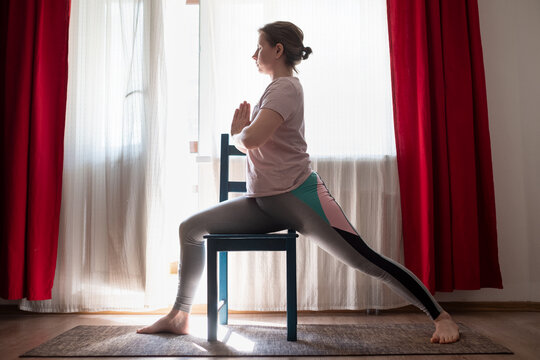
point(33, 75)
point(443, 145)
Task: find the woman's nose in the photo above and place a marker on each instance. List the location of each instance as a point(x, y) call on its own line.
point(254, 56)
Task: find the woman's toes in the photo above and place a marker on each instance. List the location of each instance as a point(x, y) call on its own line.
point(447, 340)
point(443, 340)
point(145, 330)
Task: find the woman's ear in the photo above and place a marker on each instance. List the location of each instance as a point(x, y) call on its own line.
point(279, 50)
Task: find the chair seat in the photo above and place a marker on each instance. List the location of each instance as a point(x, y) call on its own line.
point(251, 236)
point(250, 242)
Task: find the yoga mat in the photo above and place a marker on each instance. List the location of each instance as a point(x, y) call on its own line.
point(256, 340)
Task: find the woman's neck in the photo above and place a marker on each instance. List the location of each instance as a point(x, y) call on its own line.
point(281, 72)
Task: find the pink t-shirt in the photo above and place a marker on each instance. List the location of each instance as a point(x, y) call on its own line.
point(282, 163)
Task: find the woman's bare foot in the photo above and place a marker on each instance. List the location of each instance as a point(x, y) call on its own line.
point(176, 322)
point(446, 330)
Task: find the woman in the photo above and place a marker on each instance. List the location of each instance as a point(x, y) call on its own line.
point(283, 192)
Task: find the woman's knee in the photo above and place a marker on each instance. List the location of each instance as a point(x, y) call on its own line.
point(189, 232)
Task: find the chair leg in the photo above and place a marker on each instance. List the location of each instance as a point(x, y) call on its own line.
point(212, 296)
point(292, 315)
point(223, 295)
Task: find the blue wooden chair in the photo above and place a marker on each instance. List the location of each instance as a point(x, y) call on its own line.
point(222, 243)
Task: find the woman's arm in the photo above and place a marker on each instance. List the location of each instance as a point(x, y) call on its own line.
point(238, 146)
point(257, 132)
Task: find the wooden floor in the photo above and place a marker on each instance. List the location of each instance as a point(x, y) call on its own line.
point(519, 330)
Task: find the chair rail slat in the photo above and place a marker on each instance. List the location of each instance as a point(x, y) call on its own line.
point(237, 186)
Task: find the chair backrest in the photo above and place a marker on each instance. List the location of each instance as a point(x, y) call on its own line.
point(226, 186)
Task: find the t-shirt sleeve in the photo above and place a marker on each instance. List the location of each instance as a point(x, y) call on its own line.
point(282, 97)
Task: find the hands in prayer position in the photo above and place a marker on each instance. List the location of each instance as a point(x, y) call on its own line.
point(241, 118)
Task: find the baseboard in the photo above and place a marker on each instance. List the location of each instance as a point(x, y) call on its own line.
point(452, 307)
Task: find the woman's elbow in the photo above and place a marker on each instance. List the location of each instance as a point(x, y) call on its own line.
point(250, 141)
point(251, 144)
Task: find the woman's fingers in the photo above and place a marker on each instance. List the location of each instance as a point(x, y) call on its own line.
point(245, 110)
point(241, 116)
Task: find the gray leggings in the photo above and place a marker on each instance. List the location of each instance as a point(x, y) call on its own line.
point(313, 212)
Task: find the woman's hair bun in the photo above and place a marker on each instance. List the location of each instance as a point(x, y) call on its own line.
point(305, 52)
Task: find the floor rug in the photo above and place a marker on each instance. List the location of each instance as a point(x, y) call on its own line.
point(255, 340)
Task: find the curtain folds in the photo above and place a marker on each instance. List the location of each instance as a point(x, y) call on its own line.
point(111, 241)
point(443, 146)
point(34, 54)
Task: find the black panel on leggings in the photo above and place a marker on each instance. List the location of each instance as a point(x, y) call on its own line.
point(402, 276)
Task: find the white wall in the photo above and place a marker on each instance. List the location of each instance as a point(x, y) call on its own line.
point(510, 32)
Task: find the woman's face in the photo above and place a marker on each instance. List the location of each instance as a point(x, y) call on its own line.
point(264, 56)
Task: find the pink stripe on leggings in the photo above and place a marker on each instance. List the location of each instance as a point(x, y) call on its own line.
point(331, 209)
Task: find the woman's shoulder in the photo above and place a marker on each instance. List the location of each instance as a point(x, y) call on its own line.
point(286, 83)
point(293, 80)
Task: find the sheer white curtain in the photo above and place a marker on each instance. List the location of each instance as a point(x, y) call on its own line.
point(128, 174)
point(349, 131)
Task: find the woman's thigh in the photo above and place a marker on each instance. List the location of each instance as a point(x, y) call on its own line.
point(235, 216)
point(296, 214)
